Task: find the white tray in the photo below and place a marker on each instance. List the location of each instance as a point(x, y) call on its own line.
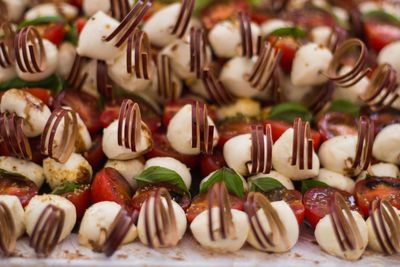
point(189, 253)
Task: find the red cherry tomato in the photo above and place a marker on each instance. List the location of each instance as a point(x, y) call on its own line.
point(162, 148)
point(200, 204)
point(79, 24)
point(317, 202)
point(288, 47)
point(109, 115)
point(80, 197)
point(380, 34)
point(336, 123)
point(230, 129)
point(109, 185)
point(18, 186)
point(41, 93)
point(95, 155)
point(222, 11)
point(211, 163)
point(143, 193)
point(384, 188)
point(55, 33)
point(293, 198)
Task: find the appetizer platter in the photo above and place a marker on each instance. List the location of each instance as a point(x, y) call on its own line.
point(204, 133)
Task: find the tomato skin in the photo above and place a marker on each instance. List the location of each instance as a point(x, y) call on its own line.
point(109, 185)
point(80, 24)
point(55, 33)
point(80, 198)
point(288, 47)
point(162, 148)
point(333, 124)
point(227, 130)
point(380, 34)
point(200, 204)
point(95, 155)
point(18, 186)
point(211, 163)
point(371, 188)
point(41, 93)
point(222, 11)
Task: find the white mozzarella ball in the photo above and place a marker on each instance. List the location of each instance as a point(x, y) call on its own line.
point(335, 180)
point(17, 212)
point(200, 226)
point(309, 64)
point(294, 93)
point(66, 55)
point(172, 164)
point(341, 14)
point(229, 30)
point(97, 222)
point(384, 169)
point(337, 154)
point(51, 64)
point(286, 182)
point(77, 169)
point(181, 223)
point(91, 7)
point(273, 24)
point(129, 169)
point(15, 9)
point(326, 238)
point(289, 221)
point(237, 153)
point(373, 242)
point(50, 10)
point(321, 35)
point(205, 179)
point(25, 105)
point(37, 205)
point(282, 154)
point(114, 151)
point(7, 74)
point(179, 131)
point(233, 76)
point(128, 81)
point(92, 41)
point(90, 84)
point(154, 89)
point(243, 106)
point(387, 144)
point(28, 169)
point(354, 92)
point(391, 54)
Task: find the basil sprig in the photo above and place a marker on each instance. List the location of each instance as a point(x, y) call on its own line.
point(264, 184)
point(232, 180)
point(308, 184)
point(157, 174)
point(345, 106)
point(289, 111)
point(294, 32)
point(66, 187)
point(382, 14)
point(40, 21)
point(54, 83)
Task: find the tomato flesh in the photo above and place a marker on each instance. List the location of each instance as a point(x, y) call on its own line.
point(55, 33)
point(80, 198)
point(288, 47)
point(95, 155)
point(380, 34)
point(18, 186)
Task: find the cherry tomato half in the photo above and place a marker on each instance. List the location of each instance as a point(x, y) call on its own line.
point(95, 155)
point(80, 198)
point(211, 163)
point(288, 47)
point(380, 34)
point(18, 186)
point(336, 123)
point(55, 33)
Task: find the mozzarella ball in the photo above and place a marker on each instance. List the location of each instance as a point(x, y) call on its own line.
point(354, 92)
point(387, 144)
point(200, 226)
point(309, 64)
point(373, 242)
point(90, 84)
point(321, 35)
point(77, 169)
point(17, 212)
point(390, 54)
point(51, 64)
point(335, 180)
point(273, 24)
point(237, 153)
point(286, 182)
point(385, 169)
point(205, 179)
point(51, 10)
point(282, 155)
point(233, 76)
point(154, 88)
point(172, 164)
point(25, 105)
point(289, 221)
point(326, 238)
point(243, 106)
point(97, 222)
point(179, 131)
point(91, 7)
point(114, 151)
point(294, 93)
point(92, 41)
point(128, 81)
point(180, 217)
point(37, 205)
point(229, 30)
point(28, 169)
point(7, 74)
point(66, 56)
point(341, 14)
point(129, 169)
point(15, 9)
point(337, 154)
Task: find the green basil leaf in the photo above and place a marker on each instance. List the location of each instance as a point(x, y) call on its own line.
point(289, 111)
point(345, 106)
point(382, 14)
point(40, 20)
point(71, 35)
point(232, 180)
point(54, 83)
point(158, 174)
point(308, 184)
point(264, 184)
point(5, 173)
point(295, 32)
point(66, 187)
